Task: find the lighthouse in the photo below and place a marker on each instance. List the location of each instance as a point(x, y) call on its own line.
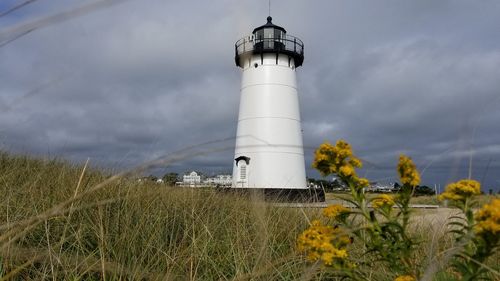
point(269, 153)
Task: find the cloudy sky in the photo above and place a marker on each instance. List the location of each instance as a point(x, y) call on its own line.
point(127, 82)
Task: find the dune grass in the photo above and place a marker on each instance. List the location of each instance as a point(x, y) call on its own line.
point(137, 230)
point(55, 224)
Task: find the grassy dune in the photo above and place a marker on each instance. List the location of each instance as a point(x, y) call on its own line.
point(68, 222)
point(137, 230)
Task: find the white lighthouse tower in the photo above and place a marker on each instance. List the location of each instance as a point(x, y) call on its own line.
point(269, 154)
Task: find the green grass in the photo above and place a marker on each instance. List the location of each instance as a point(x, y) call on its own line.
point(62, 221)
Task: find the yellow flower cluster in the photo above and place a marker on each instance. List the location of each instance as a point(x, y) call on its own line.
point(323, 242)
point(405, 278)
point(362, 182)
point(338, 159)
point(334, 211)
point(488, 218)
point(330, 159)
point(383, 201)
point(408, 171)
point(460, 190)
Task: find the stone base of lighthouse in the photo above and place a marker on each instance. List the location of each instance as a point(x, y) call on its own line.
point(280, 195)
point(269, 151)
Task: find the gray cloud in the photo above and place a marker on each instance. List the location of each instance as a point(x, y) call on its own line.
point(135, 81)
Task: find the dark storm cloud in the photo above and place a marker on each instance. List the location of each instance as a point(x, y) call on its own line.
point(132, 82)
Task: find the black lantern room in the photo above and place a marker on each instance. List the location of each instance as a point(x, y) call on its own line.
point(269, 38)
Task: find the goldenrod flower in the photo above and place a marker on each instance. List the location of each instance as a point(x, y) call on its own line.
point(383, 201)
point(329, 159)
point(338, 159)
point(334, 211)
point(323, 242)
point(460, 190)
point(488, 218)
point(362, 182)
point(346, 171)
point(355, 162)
point(328, 257)
point(405, 278)
point(323, 158)
point(408, 171)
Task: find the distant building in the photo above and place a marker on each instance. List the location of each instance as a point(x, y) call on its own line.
point(219, 180)
point(192, 179)
point(380, 187)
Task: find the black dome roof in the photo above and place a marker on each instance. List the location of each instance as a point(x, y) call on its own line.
point(269, 24)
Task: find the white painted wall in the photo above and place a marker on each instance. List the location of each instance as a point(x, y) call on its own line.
point(269, 129)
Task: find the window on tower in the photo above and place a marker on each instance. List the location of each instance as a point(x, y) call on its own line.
point(269, 38)
point(259, 35)
point(277, 35)
point(243, 170)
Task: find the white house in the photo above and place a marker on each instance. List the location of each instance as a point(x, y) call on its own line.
point(191, 179)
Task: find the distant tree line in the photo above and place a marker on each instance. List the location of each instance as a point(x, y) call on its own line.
point(170, 178)
point(338, 185)
point(420, 190)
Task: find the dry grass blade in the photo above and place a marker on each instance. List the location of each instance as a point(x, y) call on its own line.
point(30, 256)
point(9, 35)
point(10, 235)
point(16, 7)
